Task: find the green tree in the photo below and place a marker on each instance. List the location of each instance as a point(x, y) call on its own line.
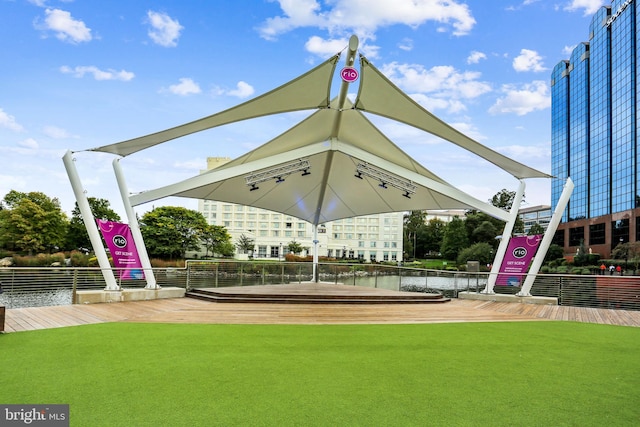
point(486, 232)
point(454, 239)
point(413, 223)
point(430, 239)
point(245, 244)
point(482, 252)
point(553, 253)
point(217, 240)
point(294, 247)
point(535, 230)
point(77, 236)
point(32, 222)
point(170, 231)
point(504, 199)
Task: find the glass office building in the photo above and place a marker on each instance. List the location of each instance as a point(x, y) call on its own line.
point(594, 138)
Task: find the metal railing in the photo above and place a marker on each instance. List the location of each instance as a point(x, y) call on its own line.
point(25, 286)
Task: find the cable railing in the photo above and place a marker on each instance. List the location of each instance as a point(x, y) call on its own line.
point(31, 287)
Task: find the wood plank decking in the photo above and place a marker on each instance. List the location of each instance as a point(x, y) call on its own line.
point(189, 310)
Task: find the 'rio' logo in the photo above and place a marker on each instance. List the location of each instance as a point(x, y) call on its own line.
point(519, 252)
point(119, 241)
point(349, 74)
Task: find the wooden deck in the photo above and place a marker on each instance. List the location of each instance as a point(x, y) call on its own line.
point(189, 310)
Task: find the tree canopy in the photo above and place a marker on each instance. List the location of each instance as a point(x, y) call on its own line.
point(170, 231)
point(32, 222)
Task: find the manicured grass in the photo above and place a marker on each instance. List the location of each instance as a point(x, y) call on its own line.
point(466, 374)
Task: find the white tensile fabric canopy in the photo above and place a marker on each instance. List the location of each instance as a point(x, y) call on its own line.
point(335, 163)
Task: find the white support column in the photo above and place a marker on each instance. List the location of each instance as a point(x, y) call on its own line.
point(547, 239)
point(90, 223)
point(506, 236)
point(135, 228)
point(315, 253)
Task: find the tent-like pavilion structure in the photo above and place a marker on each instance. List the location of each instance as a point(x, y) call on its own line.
point(334, 164)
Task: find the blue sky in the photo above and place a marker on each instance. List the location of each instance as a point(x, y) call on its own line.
point(81, 74)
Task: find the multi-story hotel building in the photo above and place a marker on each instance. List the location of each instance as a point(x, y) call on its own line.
point(370, 238)
point(594, 138)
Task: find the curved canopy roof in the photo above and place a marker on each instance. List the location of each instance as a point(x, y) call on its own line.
point(333, 164)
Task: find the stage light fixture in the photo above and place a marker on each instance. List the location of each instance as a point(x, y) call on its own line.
point(386, 178)
point(278, 173)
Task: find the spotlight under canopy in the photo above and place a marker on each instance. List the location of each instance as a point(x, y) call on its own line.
point(386, 178)
point(278, 173)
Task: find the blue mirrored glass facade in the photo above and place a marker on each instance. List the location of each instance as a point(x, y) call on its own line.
point(594, 125)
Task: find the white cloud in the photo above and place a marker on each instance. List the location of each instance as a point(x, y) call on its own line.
point(475, 57)
point(185, 87)
point(530, 97)
point(364, 17)
point(443, 82)
point(164, 30)
point(9, 122)
point(65, 27)
point(406, 44)
point(589, 6)
point(97, 73)
point(242, 90)
point(324, 48)
point(29, 143)
point(56, 132)
point(568, 50)
point(528, 60)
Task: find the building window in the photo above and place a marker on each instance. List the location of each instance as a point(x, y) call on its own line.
point(619, 232)
point(597, 234)
point(558, 238)
point(576, 235)
point(288, 225)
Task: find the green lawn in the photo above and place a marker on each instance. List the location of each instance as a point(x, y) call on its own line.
point(465, 374)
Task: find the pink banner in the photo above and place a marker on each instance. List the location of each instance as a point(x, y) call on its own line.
point(516, 261)
point(123, 249)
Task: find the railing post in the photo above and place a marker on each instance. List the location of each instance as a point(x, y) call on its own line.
point(75, 286)
point(187, 283)
point(216, 274)
point(241, 271)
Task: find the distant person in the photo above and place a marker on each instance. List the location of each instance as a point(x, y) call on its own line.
point(602, 268)
point(611, 269)
point(619, 270)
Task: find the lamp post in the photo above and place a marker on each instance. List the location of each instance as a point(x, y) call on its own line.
point(280, 253)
